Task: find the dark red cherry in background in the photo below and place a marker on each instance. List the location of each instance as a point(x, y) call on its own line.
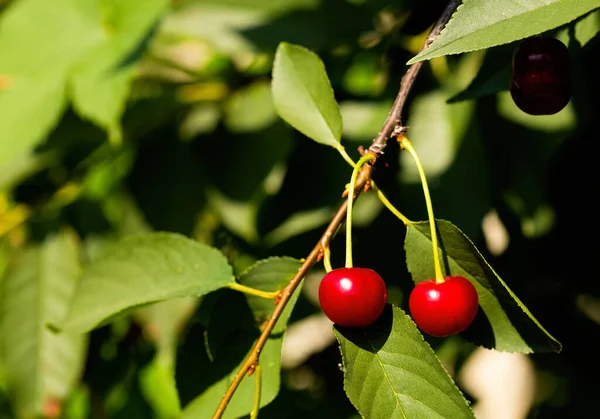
point(443, 309)
point(541, 76)
point(352, 296)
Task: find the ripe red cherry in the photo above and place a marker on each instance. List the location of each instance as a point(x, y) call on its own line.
point(352, 296)
point(541, 76)
point(446, 308)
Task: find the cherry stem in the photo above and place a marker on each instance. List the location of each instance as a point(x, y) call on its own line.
point(253, 291)
point(379, 192)
point(357, 167)
point(405, 143)
point(327, 259)
point(389, 205)
point(257, 393)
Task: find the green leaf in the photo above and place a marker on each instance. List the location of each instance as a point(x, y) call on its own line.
point(391, 372)
point(34, 84)
point(42, 96)
point(268, 275)
point(303, 95)
point(41, 367)
point(142, 269)
point(479, 24)
point(100, 82)
point(508, 325)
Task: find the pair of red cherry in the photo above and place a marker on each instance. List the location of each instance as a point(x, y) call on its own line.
point(541, 76)
point(540, 85)
point(357, 296)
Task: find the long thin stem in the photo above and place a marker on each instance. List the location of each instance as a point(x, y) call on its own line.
point(405, 143)
point(257, 392)
point(253, 291)
point(351, 192)
point(389, 205)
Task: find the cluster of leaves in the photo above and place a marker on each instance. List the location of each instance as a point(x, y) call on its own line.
point(153, 154)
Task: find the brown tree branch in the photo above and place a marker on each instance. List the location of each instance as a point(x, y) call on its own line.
point(286, 293)
point(394, 118)
point(391, 127)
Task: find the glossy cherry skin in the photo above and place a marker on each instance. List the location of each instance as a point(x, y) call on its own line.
point(446, 308)
point(352, 297)
point(541, 76)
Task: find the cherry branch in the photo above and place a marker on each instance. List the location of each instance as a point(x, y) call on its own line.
point(391, 127)
point(394, 118)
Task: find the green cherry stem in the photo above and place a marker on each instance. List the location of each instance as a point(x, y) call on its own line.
point(253, 291)
point(357, 167)
point(389, 205)
point(386, 202)
point(258, 383)
point(405, 143)
point(327, 259)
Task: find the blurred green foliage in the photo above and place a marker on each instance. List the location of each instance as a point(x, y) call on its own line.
point(128, 116)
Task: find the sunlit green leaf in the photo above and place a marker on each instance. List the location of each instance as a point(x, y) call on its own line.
point(479, 24)
point(303, 95)
point(391, 372)
point(142, 269)
point(34, 84)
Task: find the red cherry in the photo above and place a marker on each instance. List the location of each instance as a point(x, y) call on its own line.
point(541, 76)
point(352, 296)
point(446, 308)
